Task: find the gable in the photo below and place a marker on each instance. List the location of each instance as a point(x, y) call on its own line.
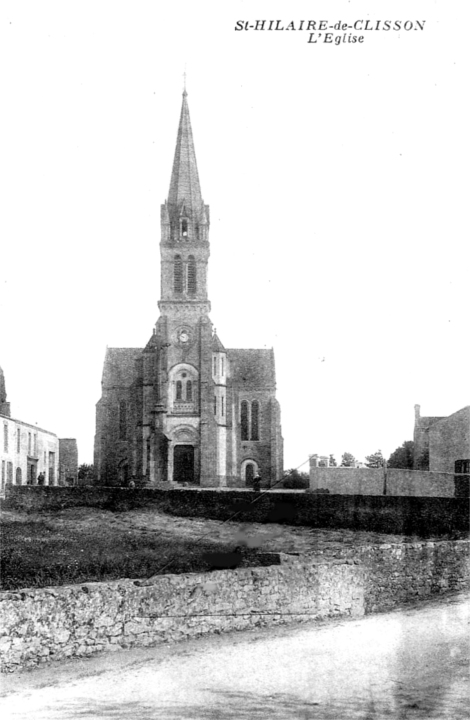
point(252, 368)
point(119, 367)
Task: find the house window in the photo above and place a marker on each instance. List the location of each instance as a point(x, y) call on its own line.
point(10, 473)
point(29, 443)
point(222, 409)
point(178, 274)
point(35, 445)
point(244, 420)
point(3, 473)
point(189, 391)
point(122, 420)
point(18, 440)
point(462, 466)
point(18, 476)
point(214, 372)
point(221, 366)
point(215, 404)
point(192, 284)
point(179, 390)
point(255, 420)
point(5, 437)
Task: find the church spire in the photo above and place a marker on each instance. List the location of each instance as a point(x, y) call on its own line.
point(185, 191)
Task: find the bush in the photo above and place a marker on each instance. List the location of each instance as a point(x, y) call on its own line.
point(295, 483)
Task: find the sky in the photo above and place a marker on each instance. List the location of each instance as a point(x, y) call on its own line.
point(337, 179)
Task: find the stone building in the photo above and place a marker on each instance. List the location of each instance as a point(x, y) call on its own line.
point(28, 455)
point(442, 443)
point(68, 461)
point(185, 409)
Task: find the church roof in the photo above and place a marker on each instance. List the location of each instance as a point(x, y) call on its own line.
point(216, 344)
point(119, 366)
point(185, 190)
point(252, 368)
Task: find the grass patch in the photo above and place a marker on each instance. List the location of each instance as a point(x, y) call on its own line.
point(41, 553)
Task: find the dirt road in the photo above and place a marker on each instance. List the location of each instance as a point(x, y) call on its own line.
point(410, 663)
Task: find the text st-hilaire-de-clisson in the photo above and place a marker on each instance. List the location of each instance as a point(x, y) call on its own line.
point(323, 31)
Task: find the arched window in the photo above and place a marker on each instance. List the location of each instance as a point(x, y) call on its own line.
point(184, 227)
point(192, 282)
point(189, 391)
point(244, 420)
point(122, 420)
point(255, 420)
point(179, 390)
point(178, 274)
point(18, 476)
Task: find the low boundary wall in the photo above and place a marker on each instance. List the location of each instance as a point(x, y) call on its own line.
point(423, 516)
point(380, 481)
point(79, 620)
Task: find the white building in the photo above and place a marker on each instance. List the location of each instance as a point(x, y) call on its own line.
point(28, 454)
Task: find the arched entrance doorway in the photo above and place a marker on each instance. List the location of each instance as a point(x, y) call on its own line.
point(183, 463)
point(249, 474)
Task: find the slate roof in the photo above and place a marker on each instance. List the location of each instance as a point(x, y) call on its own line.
point(119, 366)
point(252, 369)
point(216, 344)
point(463, 411)
point(427, 421)
point(185, 191)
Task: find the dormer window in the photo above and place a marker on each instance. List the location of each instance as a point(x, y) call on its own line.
point(184, 227)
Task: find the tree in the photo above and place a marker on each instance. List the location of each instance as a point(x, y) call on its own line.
point(86, 472)
point(348, 460)
point(402, 457)
point(295, 480)
point(333, 462)
point(375, 460)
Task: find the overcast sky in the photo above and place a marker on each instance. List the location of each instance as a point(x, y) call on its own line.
point(337, 178)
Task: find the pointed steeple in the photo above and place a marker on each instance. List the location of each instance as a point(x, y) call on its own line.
point(185, 191)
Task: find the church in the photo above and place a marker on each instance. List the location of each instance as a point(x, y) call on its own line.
point(184, 410)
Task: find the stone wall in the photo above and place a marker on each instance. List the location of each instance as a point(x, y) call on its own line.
point(423, 516)
point(347, 480)
point(398, 573)
point(79, 620)
point(373, 481)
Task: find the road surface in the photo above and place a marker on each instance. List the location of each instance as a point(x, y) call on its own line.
point(409, 663)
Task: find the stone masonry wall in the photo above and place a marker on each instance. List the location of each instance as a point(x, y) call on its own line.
point(79, 620)
point(423, 516)
point(372, 481)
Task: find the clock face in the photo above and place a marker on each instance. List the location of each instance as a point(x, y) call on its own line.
point(182, 337)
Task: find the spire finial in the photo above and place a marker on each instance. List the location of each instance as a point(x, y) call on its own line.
point(184, 82)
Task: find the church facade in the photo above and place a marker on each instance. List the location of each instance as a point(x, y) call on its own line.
point(184, 409)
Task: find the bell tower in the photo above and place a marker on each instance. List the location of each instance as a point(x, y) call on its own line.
point(184, 243)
